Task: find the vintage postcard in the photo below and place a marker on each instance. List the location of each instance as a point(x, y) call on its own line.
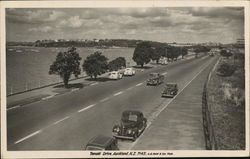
point(108, 79)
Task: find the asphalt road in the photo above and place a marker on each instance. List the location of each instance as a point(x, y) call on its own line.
point(69, 121)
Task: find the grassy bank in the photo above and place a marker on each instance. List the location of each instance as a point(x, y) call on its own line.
point(226, 97)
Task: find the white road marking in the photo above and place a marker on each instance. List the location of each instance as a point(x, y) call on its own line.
point(116, 94)
point(158, 112)
point(139, 84)
point(13, 107)
point(33, 134)
point(45, 98)
point(61, 120)
point(75, 89)
point(164, 73)
point(81, 110)
point(129, 88)
point(94, 83)
point(104, 99)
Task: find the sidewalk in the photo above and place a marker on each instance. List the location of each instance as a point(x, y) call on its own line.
point(180, 125)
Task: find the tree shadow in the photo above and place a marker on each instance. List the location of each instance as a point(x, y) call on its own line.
point(70, 86)
point(144, 67)
point(99, 79)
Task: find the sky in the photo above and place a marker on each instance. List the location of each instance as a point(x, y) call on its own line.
point(168, 24)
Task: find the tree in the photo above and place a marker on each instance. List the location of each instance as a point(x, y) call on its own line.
point(142, 54)
point(173, 53)
point(95, 64)
point(225, 53)
point(66, 64)
point(184, 51)
point(157, 53)
point(117, 63)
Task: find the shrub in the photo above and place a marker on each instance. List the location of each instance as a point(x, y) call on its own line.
point(226, 69)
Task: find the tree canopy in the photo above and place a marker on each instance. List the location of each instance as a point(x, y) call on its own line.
point(117, 63)
point(142, 54)
point(95, 64)
point(225, 53)
point(66, 64)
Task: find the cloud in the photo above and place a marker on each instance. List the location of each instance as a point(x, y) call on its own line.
point(44, 29)
point(33, 16)
point(217, 12)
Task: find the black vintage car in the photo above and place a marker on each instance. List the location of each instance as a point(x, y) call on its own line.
point(170, 90)
point(100, 143)
point(131, 126)
point(155, 79)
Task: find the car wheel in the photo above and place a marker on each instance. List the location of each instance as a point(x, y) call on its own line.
point(135, 136)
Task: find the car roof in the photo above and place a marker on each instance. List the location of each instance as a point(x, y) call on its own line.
point(100, 140)
point(132, 112)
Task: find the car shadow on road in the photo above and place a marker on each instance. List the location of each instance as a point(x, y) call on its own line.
point(144, 67)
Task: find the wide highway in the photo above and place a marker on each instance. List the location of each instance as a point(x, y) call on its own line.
point(70, 120)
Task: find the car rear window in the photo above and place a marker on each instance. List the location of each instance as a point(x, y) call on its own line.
point(132, 118)
point(93, 148)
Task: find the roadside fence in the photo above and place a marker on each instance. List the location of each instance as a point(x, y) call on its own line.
point(207, 119)
point(13, 89)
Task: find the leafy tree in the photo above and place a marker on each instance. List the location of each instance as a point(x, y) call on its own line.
point(66, 64)
point(117, 63)
point(142, 53)
point(95, 64)
point(200, 49)
point(158, 52)
point(173, 53)
point(225, 53)
point(184, 51)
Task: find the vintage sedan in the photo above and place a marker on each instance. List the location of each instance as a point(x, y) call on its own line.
point(115, 75)
point(131, 126)
point(170, 90)
point(129, 72)
point(155, 79)
point(101, 143)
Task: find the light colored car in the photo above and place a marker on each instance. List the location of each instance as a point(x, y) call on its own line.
point(163, 61)
point(129, 72)
point(115, 75)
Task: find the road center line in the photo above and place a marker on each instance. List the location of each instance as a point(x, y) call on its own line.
point(61, 120)
point(164, 107)
point(139, 84)
point(116, 94)
point(129, 88)
point(104, 99)
point(94, 84)
point(33, 134)
point(13, 107)
point(81, 110)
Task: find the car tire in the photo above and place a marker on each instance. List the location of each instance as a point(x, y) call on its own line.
point(135, 136)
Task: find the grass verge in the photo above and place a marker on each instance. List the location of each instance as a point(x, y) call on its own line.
point(226, 97)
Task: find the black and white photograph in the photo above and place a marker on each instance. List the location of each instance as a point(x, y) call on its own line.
point(143, 79)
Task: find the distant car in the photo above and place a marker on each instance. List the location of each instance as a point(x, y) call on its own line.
point(129, 72)
point(101, 143)
point(115, 75)
point(163, 61)
point(131, 126)
point(170, 90)
point(155, 79)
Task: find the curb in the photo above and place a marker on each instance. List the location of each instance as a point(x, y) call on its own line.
point(210, 141)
